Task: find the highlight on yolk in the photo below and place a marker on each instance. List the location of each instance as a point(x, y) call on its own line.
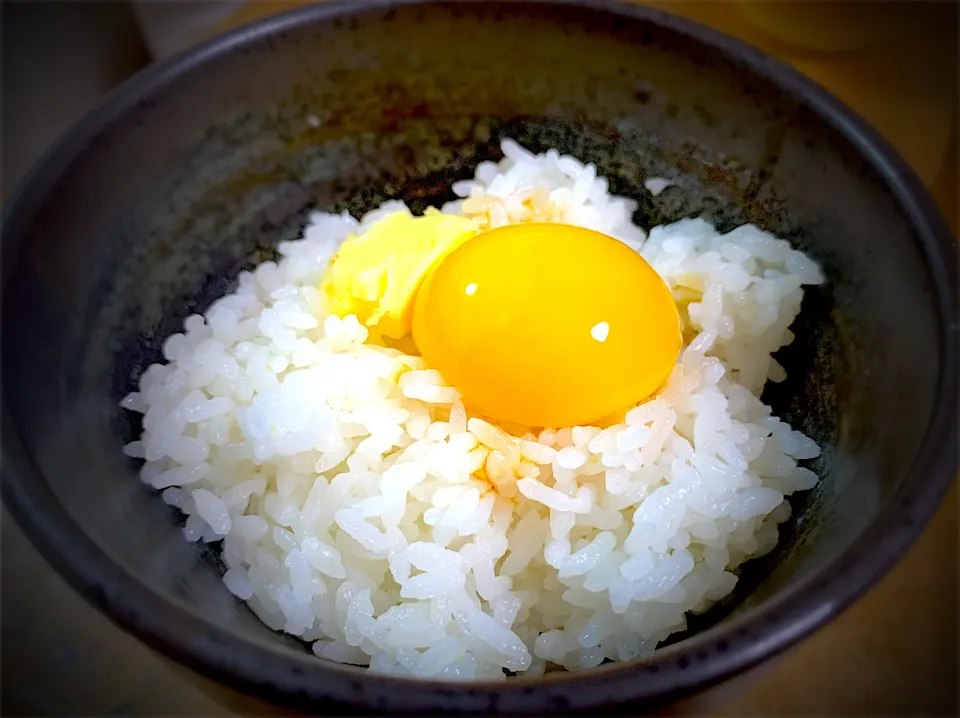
point(547, 325)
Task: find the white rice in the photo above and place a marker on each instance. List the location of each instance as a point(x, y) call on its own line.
point(656, 185)
point(363, 510)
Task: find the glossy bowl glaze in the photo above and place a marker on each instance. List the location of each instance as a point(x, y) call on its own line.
point(148, 209)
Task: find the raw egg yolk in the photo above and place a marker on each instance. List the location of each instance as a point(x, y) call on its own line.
point(547, 325)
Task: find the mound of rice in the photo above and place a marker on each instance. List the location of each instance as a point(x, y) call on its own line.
point(361, 508)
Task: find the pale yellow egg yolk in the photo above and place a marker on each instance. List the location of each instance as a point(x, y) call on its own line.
point(547, 325)
point(375, 275)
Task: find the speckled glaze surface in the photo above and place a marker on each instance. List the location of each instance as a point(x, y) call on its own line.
point(195, 170)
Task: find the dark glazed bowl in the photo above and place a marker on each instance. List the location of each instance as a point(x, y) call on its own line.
point(195, 169)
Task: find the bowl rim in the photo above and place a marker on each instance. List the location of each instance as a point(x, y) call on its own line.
point(269, 671)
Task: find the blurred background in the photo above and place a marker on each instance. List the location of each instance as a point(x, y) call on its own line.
point(893, 653)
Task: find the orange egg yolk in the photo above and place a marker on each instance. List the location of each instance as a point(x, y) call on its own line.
point(547, 325)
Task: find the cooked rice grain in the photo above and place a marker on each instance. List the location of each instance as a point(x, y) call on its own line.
point(363, 510)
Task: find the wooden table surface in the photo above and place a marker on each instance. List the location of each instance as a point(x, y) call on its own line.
point(893, 653)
